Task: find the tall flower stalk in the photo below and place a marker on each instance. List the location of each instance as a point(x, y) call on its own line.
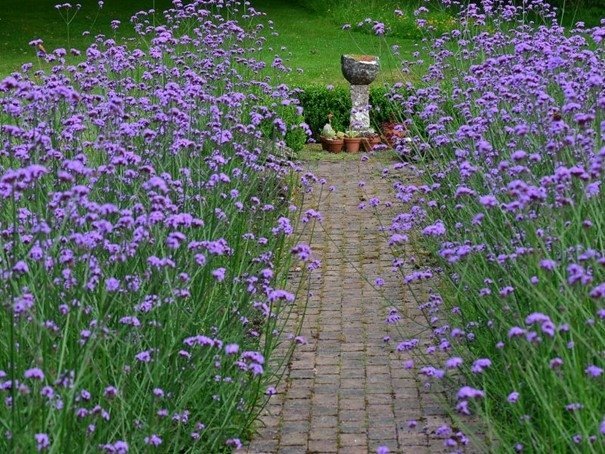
point(148, 237)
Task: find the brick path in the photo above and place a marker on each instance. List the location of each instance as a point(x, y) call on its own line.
point(346, 390)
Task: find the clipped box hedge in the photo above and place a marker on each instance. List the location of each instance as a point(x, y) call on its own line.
point(318, 101)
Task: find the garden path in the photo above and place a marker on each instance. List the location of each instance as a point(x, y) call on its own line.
point(346, 391)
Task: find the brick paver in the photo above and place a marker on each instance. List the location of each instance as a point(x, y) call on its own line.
point(346, 391)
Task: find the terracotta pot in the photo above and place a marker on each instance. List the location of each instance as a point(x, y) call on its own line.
point(352, 144)
point(392, 132)
point(367, 143)
point(334, 145)
point(324, 143)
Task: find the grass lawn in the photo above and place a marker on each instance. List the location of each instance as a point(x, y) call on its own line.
point(315, 42)
point(306, 39)
point(313, 152)
point(310, 41)
point(24, 20)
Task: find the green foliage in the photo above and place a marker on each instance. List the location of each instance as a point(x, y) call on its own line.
point(319, 101)
point(383, 107)
point(401, 26)
point(295, 136)
point(588, 11)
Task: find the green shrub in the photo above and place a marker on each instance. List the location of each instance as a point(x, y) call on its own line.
point(296, 132)
point(319, 101)
point(296, 137)
point(383, 108)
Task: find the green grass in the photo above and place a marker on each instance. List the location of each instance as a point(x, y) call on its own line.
point(312, 152)
point(306, 39)
point(315, 42)
point(588, 11)
point(24, 20)
point(400, 26)
point(309, 36)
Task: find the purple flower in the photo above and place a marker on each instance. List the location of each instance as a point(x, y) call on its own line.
point(480, 365)
point(112, 284)
point(231, 349)
point(219, 274)
point(513, 397)
point(548, 264)
point(574, 407)
point(593, 371)
point(453, 362)
point(153, 440)
point(378, 28)
point(119, 447)
point(234, 443)
point(20, 267)
point(271, 391)
point(42, 441)
point(598, 291)
point(437, 229)
point(488, 201)
point(515, 331)
point(466, 392)
point(144, 356)
point(158, 392)
point(34, 374)
point(430, 371)
point(555, 363)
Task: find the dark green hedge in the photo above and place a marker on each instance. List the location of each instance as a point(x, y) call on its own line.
point(318, 101)
point(296, 136)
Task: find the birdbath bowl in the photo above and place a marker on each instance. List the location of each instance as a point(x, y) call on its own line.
point(360, 69)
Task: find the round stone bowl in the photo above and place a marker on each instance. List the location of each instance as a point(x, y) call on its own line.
point(360, 69)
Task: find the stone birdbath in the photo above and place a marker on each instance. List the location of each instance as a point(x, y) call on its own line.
point(360, 71)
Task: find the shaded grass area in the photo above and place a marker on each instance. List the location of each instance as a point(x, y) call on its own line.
point(24, 20)
point(588, 11)
point(400, 25)
point(403, 24)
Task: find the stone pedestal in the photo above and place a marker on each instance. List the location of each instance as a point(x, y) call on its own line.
point(360, 71)
point(360, 108)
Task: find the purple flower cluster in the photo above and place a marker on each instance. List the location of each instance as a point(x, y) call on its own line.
point(507, 141)
point(143, 232)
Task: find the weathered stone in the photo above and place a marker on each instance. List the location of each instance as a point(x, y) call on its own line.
point(360, 110)
point(360, 69)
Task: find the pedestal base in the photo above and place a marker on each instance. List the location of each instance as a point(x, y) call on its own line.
point(360, 111)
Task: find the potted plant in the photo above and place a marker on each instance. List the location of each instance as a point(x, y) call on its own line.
point(369, 139)
point(393, 132)
point(352, 141)
point(336, 143)
point(331, 140)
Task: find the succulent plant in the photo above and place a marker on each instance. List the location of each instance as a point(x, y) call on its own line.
point(328, 132)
